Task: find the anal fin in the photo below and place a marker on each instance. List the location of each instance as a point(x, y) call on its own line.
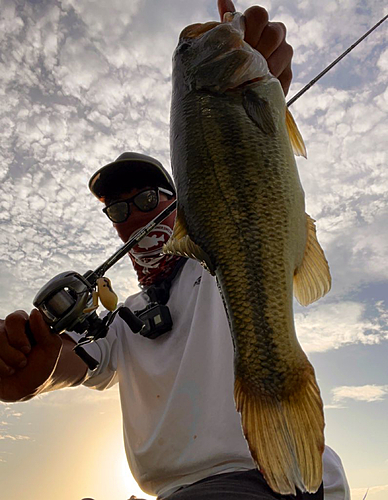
point(181, 244)
point(312, 278)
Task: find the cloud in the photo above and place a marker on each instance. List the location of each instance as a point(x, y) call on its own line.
point(372, 493)
point(16, 437)
point(8, 412)
point(367, 393)
point(78, 87)
point(327, 326)
point(8, 420)
point(82, 82)
point(80, 395)
point(346, 182)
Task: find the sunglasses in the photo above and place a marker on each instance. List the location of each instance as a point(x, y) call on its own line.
point(145, 201)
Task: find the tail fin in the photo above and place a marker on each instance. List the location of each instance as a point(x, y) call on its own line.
point(285, 437)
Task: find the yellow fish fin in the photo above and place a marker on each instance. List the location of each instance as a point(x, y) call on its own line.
point(285, 437)
point(312, 278)
point(258, 111)
point(295, 136)
point(181, 244)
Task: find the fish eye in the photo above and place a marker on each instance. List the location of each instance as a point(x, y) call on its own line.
point(183, 47)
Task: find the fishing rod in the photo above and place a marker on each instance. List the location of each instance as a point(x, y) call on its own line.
point(68, 302)
point(101, 270)
point(328, 68)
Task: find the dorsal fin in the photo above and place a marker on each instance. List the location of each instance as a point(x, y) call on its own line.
point(295, 136)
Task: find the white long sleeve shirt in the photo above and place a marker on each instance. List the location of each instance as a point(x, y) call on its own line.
point(179, 418)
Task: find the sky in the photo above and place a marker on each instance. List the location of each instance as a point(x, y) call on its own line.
point(82, 82)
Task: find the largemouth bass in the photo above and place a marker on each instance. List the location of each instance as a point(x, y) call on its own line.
point(241, 213)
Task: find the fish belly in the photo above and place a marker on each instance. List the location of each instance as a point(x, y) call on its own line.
point(240, 196)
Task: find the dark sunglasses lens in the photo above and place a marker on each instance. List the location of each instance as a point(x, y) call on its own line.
point(147, 200)
point(118, 212)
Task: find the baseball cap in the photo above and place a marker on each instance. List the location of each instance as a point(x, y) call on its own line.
point(129, 170)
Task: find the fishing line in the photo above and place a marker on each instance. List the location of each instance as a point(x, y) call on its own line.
point(328, 68)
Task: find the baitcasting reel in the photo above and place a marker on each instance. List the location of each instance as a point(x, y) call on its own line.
point(69, 302)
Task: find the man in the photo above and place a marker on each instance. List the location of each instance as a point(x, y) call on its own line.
point(182, 434)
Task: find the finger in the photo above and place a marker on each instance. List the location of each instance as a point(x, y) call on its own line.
point(15, 325)
point(40, 329)
point(10, 357)
point(5, 369)
point(271, 38)
point(225, 6)
point(256, 19)
point(285, 79)
point(279, 60)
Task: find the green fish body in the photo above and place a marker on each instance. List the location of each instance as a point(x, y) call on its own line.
point(241, 213)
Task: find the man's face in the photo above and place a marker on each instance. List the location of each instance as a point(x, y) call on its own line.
point(137, 218)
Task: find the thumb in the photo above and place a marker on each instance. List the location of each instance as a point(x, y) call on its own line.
point(41, 331)
point(225, 6)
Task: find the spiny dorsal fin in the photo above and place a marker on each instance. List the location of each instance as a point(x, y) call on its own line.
point(181, 244)
point(295, 136)
point(258, 111)
point(312, 278)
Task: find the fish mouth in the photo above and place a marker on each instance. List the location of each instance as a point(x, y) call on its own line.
point(234, 19)
point(214, 56)
point(234, 23)
point(226, 35)
point(247, 83)
point(198, 29)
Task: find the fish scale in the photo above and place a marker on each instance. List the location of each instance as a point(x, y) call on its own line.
point(241, 214)
point(245, 230)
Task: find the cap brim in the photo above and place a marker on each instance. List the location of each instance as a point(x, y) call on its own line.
point(124, 175)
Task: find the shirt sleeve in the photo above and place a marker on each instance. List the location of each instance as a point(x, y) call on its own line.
point(335, 484)
point(104, 351)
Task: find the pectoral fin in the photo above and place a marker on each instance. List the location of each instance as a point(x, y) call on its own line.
point(295, 136)
point(181, 244)
point(312, 278)
point(258, 111)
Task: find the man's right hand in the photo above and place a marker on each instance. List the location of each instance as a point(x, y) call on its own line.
point(26, 370)
point(268, 38)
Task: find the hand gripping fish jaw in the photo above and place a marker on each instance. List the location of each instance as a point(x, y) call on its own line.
point(68, 302)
